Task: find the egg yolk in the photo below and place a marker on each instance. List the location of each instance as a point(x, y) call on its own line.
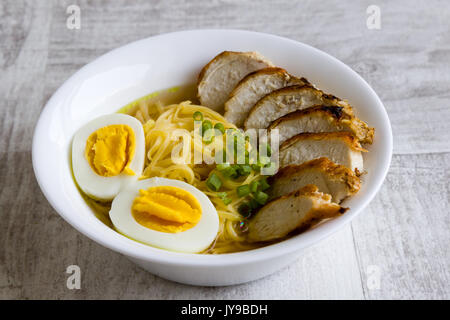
point(166, 209)
point(110, 149)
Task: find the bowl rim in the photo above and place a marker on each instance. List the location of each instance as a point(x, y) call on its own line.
point(151, 254)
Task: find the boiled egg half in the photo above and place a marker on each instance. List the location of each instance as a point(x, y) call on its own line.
point(166, 213)
point(108, 153)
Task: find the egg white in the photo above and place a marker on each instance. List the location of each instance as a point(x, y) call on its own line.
point(193, 240)
point(94, 185)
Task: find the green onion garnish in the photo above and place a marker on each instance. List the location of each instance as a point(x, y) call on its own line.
point(224, 197)
point(243, 190)
point(219, 127)
point(244, 169)
point(198, 116)
point(269, 150)
point(221, 195)
point(247, 157)
point(208, 140)
point(254, 204)
point(214, 183)
point(208, 134)
point(261, 197)
point(230, 172)
point(226, 201)
point(254, 186)
point(206, 125)
point(222, 166)
point(264, 184)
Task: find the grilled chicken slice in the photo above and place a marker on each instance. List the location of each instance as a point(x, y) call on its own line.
point(321, 119)
point(336, 180)
point(287, 100)
point(222, 74)
point(253, 87)
point(297, 210)
point(340, 147)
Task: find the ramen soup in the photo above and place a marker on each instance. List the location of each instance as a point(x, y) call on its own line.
point(174, 171)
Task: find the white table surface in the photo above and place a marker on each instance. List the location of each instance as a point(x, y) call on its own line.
point(402, 238)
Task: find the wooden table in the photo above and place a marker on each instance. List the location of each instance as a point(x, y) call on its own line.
point(398, 248)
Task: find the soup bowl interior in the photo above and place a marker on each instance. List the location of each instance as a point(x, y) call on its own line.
point(137, 69)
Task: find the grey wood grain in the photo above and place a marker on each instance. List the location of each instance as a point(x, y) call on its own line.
point(403, 232)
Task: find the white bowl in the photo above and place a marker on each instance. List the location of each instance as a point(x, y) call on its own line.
point(142, 67)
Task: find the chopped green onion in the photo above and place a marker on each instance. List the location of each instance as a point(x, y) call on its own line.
point(221, 195)
point(214, 183)
point(255, 167)
point(206, 125)
point(224, 197)
point(226, 201)
point(247, 157)
point(254, 186)
point(253, 204)
point(243, 190)
point(269, 150)
point(264, 184)
point(219, 127)
point(261, 197)
point(244, 169)
point(198, 116)
point(222, 166)
point(208, 140)
point(208, 134)
point(245, 210)
point(230, 172)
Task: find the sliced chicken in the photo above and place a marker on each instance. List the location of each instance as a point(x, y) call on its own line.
point(287, 100)
point(299, 210)
point(336, 180)
point(340, 147)
point(253, 87)
point(218, 78)
point(321, 119)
